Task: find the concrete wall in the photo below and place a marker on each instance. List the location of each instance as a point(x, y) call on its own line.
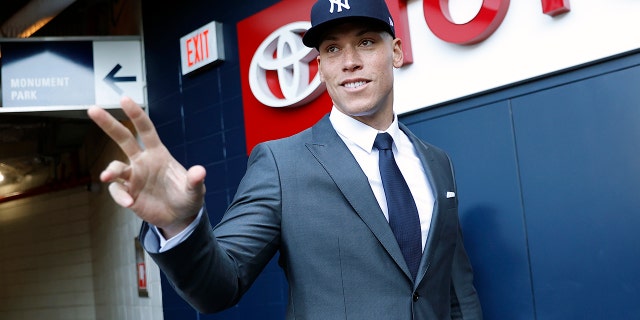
point(45, 257)
point(71, 255)
point(113, 231)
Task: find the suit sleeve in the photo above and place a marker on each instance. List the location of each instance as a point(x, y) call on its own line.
point(214, 267)
point(465, 304)
point(464, 298)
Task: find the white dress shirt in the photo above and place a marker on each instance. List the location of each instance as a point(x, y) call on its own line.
point(359, 139)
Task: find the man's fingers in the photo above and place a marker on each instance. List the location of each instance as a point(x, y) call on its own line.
point(195, 177)
point(120, 194)
point(141, 121)
point(114, 129)
point(115, 170)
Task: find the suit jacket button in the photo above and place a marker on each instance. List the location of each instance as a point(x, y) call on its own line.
point(415, 296)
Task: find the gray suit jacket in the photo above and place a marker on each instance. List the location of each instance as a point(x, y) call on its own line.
point(306, 197)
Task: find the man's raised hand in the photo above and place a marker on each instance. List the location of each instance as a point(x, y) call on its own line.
point(153, 184)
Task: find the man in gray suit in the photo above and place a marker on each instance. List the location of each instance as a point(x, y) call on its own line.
point(318, 198)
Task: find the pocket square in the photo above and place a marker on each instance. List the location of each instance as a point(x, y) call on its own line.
point(451, 194)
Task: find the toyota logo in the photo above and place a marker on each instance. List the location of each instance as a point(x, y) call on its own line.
point(282, 55)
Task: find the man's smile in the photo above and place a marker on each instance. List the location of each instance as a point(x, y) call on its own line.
point(354, 84)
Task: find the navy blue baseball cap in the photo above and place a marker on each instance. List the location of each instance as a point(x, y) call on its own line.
point(327, 13)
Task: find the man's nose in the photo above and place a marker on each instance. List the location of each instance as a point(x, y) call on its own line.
point(352, 59)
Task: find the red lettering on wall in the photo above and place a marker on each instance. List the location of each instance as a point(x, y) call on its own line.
point(555, 7)
point(398, 10)
point(205, 43)
point(197, 48)
point(189, 53)
point(488, 19)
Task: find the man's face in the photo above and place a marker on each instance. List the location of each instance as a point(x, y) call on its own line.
point(356, 65)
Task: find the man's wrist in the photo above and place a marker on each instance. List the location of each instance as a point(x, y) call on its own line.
point(177, 227)
point(168, 243)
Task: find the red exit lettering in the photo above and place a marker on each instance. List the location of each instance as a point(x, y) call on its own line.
point(197, 48)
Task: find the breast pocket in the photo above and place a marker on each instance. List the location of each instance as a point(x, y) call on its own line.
point(448, 200)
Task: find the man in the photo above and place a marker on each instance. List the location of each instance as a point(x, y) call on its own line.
point(318, 198)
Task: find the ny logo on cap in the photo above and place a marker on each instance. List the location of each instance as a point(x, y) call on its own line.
point(340, 3)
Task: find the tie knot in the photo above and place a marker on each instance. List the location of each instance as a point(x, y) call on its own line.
point(383, 141)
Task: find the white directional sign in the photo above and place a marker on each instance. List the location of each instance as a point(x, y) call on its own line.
point(71, 73)
point(117, 70)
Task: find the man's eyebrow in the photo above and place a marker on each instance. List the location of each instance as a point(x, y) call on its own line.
point(363, 31)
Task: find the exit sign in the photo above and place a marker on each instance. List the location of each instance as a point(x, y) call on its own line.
point(202, 47)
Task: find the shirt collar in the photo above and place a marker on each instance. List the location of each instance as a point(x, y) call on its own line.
point(359, 133)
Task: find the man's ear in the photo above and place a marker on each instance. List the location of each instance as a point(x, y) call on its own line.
point(319, 72)
point(398, 54)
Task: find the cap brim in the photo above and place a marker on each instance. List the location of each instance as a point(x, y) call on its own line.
point(315, 34)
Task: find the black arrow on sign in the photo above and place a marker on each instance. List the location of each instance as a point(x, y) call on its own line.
point(111, 79)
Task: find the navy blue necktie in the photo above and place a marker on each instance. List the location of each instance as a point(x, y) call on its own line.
point(403, 214)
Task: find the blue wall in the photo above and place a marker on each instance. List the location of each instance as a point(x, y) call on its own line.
point(199, 117)
point(549, 176)
point(548, 173)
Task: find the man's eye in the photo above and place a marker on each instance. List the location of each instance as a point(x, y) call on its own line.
point(332, 49)
point(366, 42)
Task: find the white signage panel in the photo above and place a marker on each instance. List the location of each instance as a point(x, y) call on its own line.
point(70, 74)
point(201, 47)
point(117, 68)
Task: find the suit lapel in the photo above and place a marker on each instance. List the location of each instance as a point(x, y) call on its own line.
point(334, 156)
point(439, 179)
